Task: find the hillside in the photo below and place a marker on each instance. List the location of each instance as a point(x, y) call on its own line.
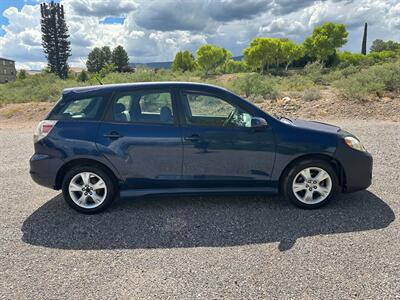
point(294, 96)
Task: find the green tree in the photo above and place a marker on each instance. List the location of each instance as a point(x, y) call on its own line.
point(227, 57)
point(107, 55)
point(183, 61)
point(291, 52)
point(233, 66)
point(364, 41)
point(210, 57)
point(380, 45)
point(120, 58)
point(55, 38)
point(325, 40)
point(261, 53)
point(22, 74)
point(83, 76)
point(95, 61)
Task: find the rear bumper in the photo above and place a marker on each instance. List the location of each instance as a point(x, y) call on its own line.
point(43, 169)
point(357, 168)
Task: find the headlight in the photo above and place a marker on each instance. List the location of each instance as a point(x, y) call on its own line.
point(354, 143)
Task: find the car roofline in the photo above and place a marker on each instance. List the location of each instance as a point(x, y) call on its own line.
point(117, 86)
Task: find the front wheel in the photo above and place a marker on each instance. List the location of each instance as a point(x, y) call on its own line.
point(88, 189)
point(311, 184)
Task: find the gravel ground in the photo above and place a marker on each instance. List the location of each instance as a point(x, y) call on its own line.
point(203, 247)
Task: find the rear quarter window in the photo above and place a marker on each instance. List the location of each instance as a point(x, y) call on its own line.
point(87, 108)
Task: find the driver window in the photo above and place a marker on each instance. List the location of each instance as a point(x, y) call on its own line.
point(208, 110)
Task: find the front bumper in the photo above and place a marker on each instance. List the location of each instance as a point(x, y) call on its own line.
point(357, 167)
point(44, 169)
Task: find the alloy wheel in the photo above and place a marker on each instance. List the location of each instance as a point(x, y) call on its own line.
point(312, 185)
point(87, 190)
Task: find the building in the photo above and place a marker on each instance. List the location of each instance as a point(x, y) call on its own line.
point(7, 70)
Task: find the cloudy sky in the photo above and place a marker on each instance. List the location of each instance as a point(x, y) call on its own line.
point(154, 30)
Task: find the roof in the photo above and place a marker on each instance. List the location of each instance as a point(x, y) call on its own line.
point(121, 86)
point(2, 58)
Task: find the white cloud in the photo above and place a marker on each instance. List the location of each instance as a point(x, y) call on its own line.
point(393, 19)
point(101, 8)
point(156, 30)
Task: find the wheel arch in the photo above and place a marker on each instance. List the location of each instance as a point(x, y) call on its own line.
point(81, 162)
point(334, 163)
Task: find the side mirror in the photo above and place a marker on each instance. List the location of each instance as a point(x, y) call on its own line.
point(258, 123)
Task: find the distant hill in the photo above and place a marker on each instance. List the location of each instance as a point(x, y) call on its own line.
point(153, 65)
point(166, 64)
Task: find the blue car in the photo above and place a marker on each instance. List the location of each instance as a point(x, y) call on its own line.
point(130, 140)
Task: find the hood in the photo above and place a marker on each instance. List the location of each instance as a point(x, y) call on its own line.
point(315, 126)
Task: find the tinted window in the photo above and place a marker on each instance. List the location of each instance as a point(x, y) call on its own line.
point(210, 110)
point(144, 107)
point(84, 108)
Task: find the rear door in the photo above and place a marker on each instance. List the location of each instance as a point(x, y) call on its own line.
point(142, 138)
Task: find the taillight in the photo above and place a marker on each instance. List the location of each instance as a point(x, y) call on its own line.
point(43, 129)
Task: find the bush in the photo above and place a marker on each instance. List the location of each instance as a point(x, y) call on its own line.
point(83, 76)
point(360, 85)
point(22, 74)
point(235, 67)
point(347, 59)
point(311, 94)
point(350, 70)
point(254, 85)
point(375, 79)
point(295, 83)
point(389, 74)
point(315, 71)
point(107, 69)
point(39, 87)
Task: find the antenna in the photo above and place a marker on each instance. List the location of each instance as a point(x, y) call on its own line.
point(95, 76)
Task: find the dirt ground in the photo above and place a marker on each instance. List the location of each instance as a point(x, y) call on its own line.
point(330, 106)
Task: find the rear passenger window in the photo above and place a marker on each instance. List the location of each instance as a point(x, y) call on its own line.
point(85, 108)
point(144, 107)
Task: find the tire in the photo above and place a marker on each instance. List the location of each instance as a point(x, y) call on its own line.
point(310, 193)
point(99, 189)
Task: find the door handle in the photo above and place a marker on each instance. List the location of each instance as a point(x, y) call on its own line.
point(192, 138)
point(113, 135)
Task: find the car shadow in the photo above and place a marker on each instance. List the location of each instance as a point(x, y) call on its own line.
point(200, 222)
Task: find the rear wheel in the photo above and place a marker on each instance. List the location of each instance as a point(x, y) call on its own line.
point(88, 189)
point(311, 184)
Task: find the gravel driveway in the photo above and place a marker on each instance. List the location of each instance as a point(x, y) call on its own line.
point(202, 247)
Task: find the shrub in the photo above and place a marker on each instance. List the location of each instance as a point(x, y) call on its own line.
point(384, 56)
point(350, 70)
point(315, 71)
point(39, 87)
point(311, 94)
point(22, 74)
point(360, 85)
point(376, 79)
point(83, 76)
point(356, 59)
point(389, 74)
point(347, 59)
point(254, 85)
point(107, 69)
point(235, 67)
point(295, 83)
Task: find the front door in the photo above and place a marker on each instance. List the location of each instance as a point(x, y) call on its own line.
point(142, 139)
point(221, 149)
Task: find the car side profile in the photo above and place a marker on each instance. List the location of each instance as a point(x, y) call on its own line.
point(129, 140)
